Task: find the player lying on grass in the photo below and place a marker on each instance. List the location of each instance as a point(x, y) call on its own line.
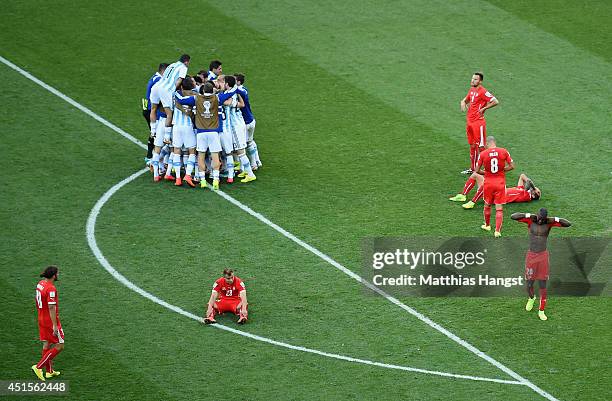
point(525, 191)
point(228, 295)
point(536, 260)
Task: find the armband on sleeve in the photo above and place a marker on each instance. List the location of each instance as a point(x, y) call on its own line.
point(556, 219)
point(527, 215)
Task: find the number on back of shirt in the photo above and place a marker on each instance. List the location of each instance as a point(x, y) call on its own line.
point(494, 165)
point(38, 299)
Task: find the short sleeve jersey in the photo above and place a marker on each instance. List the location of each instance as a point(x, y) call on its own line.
point(46, 294)
point(517, 194)
point(494, 160)
point(478, 98)
point(172, 74)
point(226, 290)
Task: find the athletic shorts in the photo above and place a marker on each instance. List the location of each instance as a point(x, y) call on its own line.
point(208, 141)
point(160, 95)
point(227, 305)
point(250, 127)
point(160, 131)
point(227, 143)
point(239, 136)
point(183, 135)
point(494, 194)
point(536, 265)
point(46, 334)
point(476, 132)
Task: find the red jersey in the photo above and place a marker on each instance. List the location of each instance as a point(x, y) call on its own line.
point(494, 160)
point(46, 294)
point(478, 98)
point(517, 194)
point(226, 290)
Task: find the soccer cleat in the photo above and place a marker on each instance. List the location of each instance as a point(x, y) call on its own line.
point(242, 174)
point(457, 198)
point(230, 180)
point(248, 178)
point(542, 315)
point(497, 234)
point(168, 177)
point(210, 320)
point(215, 185)
point(203, 183)
point(157, 179)
point(469, 205)
point(259, 164)
point(189, 181)
point(467, 171)
point(38, 373)
point(242, 320)
point(485, 227)
point(530, 303)
point(50, 375)
point(178, 182)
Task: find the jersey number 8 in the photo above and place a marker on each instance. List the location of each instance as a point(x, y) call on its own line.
point(494, 165)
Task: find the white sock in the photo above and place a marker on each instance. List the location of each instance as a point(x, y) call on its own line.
point(215, 174)
point(246, 165)
point(177, 165)
point(155, 163)
point(190, 164)
point(229, 163)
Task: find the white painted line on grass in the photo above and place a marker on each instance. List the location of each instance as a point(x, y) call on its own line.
point(91, 240)
point(290, 236)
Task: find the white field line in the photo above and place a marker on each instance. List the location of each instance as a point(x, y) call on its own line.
point(290, 236)
point(91, 240)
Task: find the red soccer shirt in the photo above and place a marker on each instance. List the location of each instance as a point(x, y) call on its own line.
point(226, 290)
point(46, 294)
point(517, 194)
point(478, 98)
point(494, 160)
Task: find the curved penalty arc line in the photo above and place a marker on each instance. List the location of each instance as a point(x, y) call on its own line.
point(91, 240)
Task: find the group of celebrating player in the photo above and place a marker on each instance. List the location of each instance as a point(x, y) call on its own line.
point(202, 124)
point(487, 172)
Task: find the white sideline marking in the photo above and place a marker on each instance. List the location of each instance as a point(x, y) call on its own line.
point(91, 240)
point(337, 265)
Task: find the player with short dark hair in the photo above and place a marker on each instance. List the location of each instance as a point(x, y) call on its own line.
point(146, 107)
point(536, 260)
point(228, 295)
point(49, 325)
point(214, 70)
point(495, 161)
point(476, 102)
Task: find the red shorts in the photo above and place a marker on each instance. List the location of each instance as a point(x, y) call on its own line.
point(46, 334)
point(476, 132)
point(494, 193)
point(536, 265)
point(227, 305)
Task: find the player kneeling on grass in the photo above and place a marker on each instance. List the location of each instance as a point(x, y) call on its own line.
point(228, 295)
point(536, 260)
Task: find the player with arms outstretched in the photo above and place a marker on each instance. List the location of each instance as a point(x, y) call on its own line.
point(476, 102)
point(228, 295)
point(495, 161)
point(536, 260)
point(49, 325)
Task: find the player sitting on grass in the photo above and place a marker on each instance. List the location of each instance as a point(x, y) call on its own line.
point(536, 260)
point(525, 191)
point(228, 295)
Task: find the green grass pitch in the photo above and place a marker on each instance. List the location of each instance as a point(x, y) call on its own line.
point(359, 129)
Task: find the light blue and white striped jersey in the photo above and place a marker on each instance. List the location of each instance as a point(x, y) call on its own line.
point(179, 118)
point(172, 74)
point(229, 118)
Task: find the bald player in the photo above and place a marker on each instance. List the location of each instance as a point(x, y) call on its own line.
point(536, 260)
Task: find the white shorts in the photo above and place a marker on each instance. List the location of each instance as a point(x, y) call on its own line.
point(226, 141)
point(183, 135)
point(250, 128)
point(160, 95)
point(210, 141)
point(240, 136)
point(160, 131)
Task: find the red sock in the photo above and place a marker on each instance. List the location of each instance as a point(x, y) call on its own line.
point(478, 195)
point(48, 366)
point(49, 355)
point(499, 219)
point(487, 215)
point(469, 184)
point(542, 298)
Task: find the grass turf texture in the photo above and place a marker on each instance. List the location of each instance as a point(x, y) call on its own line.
point(360, 135)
